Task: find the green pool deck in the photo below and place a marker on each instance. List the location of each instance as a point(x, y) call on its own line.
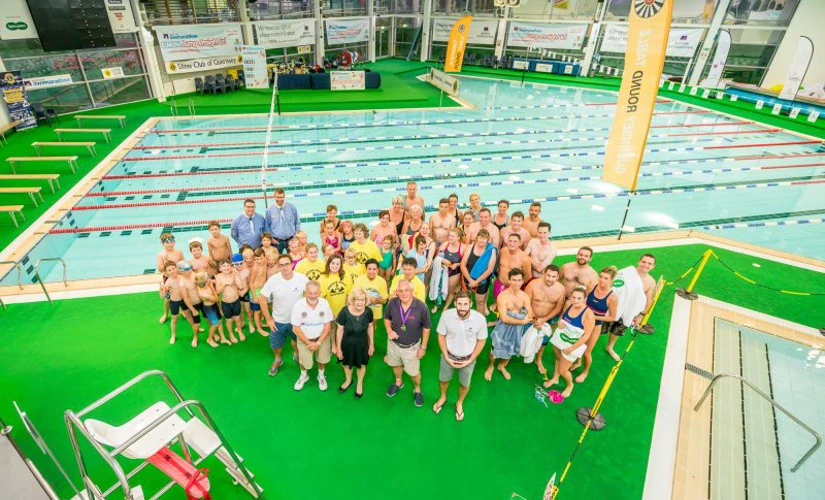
point(314, 445)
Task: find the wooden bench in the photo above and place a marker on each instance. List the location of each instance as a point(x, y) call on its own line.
point(29, 191)
point(17, 159)
point(52, 179)
point(90, 146)
point(119, 118)
point(8, 128)
point(11, 210)
point(107, 132)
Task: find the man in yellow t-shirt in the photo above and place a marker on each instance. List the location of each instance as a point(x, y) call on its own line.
point(376, 288)
point(365, 248)
point(408, 267)
point(311, 266)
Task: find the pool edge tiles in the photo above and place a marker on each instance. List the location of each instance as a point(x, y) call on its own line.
point(680, 450)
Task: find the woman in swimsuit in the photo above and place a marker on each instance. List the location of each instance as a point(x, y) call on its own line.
point(454, 208)
point(570, 337)
point(411, 226)
point(501, 218)
point(603, 303)
point(347, 235)
point(466, 222)
point(451, 252)
point(383, 228)
point(475, 205)
point(397, 214)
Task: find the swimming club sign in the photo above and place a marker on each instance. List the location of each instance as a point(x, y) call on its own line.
point(279, 34)
point(17, 101)
point(680, 43)
point(44, 82)
point(351, 30)
point(481, 32)
point(203, 64)
point(182, 43)
point(546, 36)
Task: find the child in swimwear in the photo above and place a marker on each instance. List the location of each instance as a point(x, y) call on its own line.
point(209, 299)
point(347, 234)
point(257, 280)
point(332, 216)
point(330, 236)
point(294, 251)
point(271, 264)
point(386, 266)
point(218, 245)
point(266, 245)
point(199, 261)
point(177, 305)
point(228, 285)
point(247, 262)
point(329, 251)
point(301, 236)
point(169, 254)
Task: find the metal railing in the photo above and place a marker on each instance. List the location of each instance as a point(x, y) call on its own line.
point(191, 106)
point(773, 403)
point(19, 277)
point(40, 280)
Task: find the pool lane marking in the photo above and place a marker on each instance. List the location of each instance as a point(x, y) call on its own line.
point(766, 144)
point(742, 225)
point(321, 185)
point(730, 132)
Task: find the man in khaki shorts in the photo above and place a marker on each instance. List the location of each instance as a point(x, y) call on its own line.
point(311, 320)
point(407, 321)
point(462, 333)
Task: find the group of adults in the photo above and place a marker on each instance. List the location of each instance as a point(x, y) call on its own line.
point(459, 256)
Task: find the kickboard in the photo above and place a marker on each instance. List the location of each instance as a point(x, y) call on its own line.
point(182, 472)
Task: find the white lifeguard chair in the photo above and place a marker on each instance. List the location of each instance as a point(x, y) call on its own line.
point(149, 437)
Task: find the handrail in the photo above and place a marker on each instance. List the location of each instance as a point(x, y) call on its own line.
point(39, 280)
point(191, 107)
point(816, 436)
point(19, 271)
point(173, 106)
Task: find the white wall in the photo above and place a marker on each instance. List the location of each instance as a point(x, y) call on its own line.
point(807, 21)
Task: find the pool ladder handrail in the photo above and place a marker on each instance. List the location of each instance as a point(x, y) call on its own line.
point(191, 107)
point(39, 280)
point(173, 106)
point(717, 378)
point(19, 276)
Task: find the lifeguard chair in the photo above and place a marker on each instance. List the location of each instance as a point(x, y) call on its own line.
point(149, 437)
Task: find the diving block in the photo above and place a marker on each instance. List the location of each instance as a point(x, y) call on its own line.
point(192, 480)
point(148, 445)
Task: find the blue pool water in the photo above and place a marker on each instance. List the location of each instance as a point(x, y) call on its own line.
point(702, 170)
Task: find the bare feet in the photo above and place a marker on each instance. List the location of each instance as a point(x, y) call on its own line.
point(581, 378)
point(504, 372)
point(212, 342)
point(612, 353)
point(550, 383)
point(225, 341)
point(488, 374)
point(434, 310)
point(163, 319)
point(567, 390)
point(200, 329)
point(232, 338)
point(195, 342)
point(172, 339)
point(241, 335)
point(263, 333)
point(251, 329)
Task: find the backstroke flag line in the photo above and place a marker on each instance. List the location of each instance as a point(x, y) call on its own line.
point(457, 44)
point(646, 43)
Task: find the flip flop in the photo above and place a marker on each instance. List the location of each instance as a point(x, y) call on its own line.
point(437, 407)
point(459, 416)
point(555, 396)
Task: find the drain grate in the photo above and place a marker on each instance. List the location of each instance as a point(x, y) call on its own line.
point(698, 371)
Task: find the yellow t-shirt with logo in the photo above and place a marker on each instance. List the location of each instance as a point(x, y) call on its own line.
point(365, 251)
point(353, 272)
point(312, 270)
point(335, 290)
point(376, 287)
point(419, 291)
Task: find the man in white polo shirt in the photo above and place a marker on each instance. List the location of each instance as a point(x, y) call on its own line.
point(462, 333)
point(282, 290)
point(311, 320)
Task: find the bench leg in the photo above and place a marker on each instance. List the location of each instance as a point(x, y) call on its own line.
point(57, 181)
point(34, 200)
point(11, 163)
point(37, 149)
point(11, 214)
point(73, 165)
point(51, 185)
point(108, 137)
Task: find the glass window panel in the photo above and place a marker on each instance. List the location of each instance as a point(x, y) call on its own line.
point(761, 12)
point(684, 11)
point(120, 90)
point(46, 66)
point(279, 9)
point(94, 62)
point(62, 99)
point(556, 9)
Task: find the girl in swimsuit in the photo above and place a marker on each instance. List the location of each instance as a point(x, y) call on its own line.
point(302, 243)
point(294, 250)
point(387, 264)
point(397, 214)
point(451, 252)
point(429, 250)
point(570, 336)
point(330, 236)
point(602, 302)
point(347, 235)
point(332, 216)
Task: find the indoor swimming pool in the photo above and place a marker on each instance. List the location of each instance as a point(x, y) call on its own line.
point(702, 170)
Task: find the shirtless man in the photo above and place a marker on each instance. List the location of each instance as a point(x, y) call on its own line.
point(442, 221)
point(191, 297)
point(171, 289)
point(169, 254)
point(579, 272)
point(413, 198)
point(515, 317)
point(516, 227)
point(643, 268)
point(547, 300)
point(541, 250)
point(511, 257)
point(531, 224)
point(485, 221)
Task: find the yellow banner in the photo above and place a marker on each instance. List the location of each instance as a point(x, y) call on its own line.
point(645, 56)
point(457, 44)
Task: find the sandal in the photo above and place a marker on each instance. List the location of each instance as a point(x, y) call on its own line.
point(437, 407)
point(459, 416)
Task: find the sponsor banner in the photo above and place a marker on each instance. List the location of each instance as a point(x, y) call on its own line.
point(546, 36)
point(445, 82)
point(279, 34)
point(181, 43)
point(205, 64)
point(116, 72)
point(481, 32)
point(42, 82)
point(681, 42)
point(351, 30)
point(120, 16)
point(17, 102)
point(457, 44)
point(254, 67)
point(719, 59)
point(799, 66)
point(347, 80)
point(646, 45)
point(16, 21)
point(304, 49)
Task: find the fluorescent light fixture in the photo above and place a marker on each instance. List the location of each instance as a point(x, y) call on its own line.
point(515, 178)
point(572, 191)
point(672, 225)
point(597, 208)
point(628, 229)
point(464, 167)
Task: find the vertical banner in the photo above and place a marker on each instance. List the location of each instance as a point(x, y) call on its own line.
point(16, 21)
point(120, 16)
point(16, 99)
point(799, 66)
point(457, 44)
point(719, 59)
point(254, 67)
point(646, 44)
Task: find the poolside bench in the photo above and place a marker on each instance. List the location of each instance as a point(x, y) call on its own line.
point(90, 146)
point(119, 118)
point(27, 190)
point(107, 132)
point(52, 179)
point(8, 128)
point(11, 210)
point(72, 160)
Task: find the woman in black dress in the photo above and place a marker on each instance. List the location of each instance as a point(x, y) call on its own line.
point(355, 339)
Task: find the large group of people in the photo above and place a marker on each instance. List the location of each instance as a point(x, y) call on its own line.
point(329, 299)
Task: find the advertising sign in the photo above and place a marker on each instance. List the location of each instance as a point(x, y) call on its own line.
point(279, 34)
point(115, 72)
point(457, 45)
point(348, 30)
point(16, 21)
point(254, 67)
point(481, 32)
point(347, 80)
point(120, 16)
point(799, 66)
point(42, 82)
point(546, 36)
point(17, 102)
point(680, 43)
point(719, 59)
point(180, 43)
point(205, 64)
point(445, 82)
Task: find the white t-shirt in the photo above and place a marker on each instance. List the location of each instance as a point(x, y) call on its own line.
point(311, 321)
point(462, 335)
point(283, 294)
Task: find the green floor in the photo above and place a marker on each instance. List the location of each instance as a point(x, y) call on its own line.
point(311, 445)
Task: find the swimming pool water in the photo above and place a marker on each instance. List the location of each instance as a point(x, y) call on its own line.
point(702, 170)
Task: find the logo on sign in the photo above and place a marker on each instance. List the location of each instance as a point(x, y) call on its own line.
point(9, 78)
point(17, 26)
point(462, 28)
point(647, 8)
